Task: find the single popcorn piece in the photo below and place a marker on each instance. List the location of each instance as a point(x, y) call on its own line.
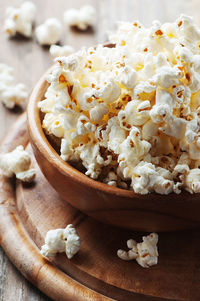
point(145, 253)
point(60, 241)
point(58, 51)
point(17, 163)
point(11, 94)
point(49, 32)
point(81, 18)
point(20, 20)
point(129, 115)
point(192, 180)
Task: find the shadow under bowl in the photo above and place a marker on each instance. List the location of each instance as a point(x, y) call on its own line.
point(111, 205)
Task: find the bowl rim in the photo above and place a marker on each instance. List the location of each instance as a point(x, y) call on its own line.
point(40, 140)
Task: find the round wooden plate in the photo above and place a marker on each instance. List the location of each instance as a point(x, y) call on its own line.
point(27, 212)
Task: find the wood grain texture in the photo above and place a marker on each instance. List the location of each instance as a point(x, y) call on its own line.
point(30, 62)
point(95, 273)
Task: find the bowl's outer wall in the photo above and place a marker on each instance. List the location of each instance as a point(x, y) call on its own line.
point(111, 205)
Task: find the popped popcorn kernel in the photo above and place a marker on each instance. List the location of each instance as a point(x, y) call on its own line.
point(61, 240)
point(11, 94)
point(130, 114)
point(49, 32)
point(81, 18)
point(20, 20)
point(58, 51)
point(17, 163)
point(145, 253)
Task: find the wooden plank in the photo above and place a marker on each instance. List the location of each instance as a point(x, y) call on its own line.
point(30, 62)
point(98, 273)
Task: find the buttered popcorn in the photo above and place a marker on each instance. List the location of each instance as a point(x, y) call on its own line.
point(131, 113)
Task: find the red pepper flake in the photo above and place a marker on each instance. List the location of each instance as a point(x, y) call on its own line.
point(62, 79)
point(70, 88)
point(180, 68)
point(159, 32)
point(187, 75)
point(89, 99)
point(180, 94)
point(180, 23)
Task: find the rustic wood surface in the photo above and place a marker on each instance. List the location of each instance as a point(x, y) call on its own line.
point(30, 62)
point(93, 274)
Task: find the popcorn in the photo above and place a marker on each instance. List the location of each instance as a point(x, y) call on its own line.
point(111, 179)
point(130, 114)
point(167, 76)
point(20, 20)
point(49, 32)
point(127, 77)
point(98, 112)
point(192, 181)
point(17, 163)
point(11, 94)
point(109, 92)
point(145, 253)
point(84, 126)
point(133, 149)
point(82, 18)
point(57, 51)
point(53, 125)
point(61, 240)
point(146, 178)
point(136, 113)
point(115, 135)
point(149, 130)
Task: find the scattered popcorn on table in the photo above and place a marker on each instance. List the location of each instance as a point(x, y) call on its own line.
point(61, 240)
point(131, 114)
point(145, 253)
point(17, 163)
point(49, 32)
point(81, 18)
point(56, 50)
point(20, 20)
point(11, 94)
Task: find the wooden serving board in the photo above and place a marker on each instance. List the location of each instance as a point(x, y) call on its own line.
point(28, 211)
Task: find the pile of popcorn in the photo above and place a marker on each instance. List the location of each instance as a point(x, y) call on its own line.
point(131, 113)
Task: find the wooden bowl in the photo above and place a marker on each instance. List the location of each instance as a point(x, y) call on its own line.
point(115, 206)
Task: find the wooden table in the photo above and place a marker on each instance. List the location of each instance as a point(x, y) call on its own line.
point(31, 60)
